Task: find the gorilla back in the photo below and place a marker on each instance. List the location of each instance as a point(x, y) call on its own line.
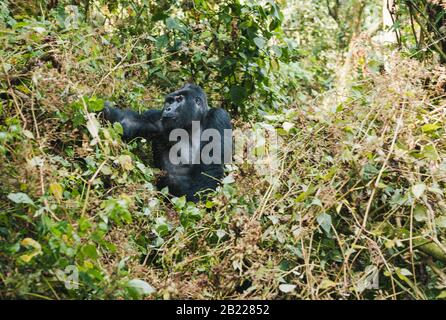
point(194, 163)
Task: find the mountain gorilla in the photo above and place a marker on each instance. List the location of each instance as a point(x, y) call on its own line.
point(187, 176)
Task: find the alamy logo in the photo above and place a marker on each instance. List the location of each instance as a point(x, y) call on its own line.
point(258, 145)
point(217, 148)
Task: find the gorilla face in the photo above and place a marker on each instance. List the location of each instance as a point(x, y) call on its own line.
point(183, 106)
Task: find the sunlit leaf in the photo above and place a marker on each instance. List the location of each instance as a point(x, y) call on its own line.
point(324, 220)
point(126, 162)
point(420, 213)
point(418, 190)
point(441, 222)
point(20, 197)
point(57, 190)
point(93, 126)
point(260, 42)
point(287, 288)
point(430, 127)
point(141, 287)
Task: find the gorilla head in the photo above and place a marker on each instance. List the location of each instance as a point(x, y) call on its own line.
point(183, 106)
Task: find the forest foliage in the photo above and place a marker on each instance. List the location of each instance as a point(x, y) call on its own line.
point(353, 208)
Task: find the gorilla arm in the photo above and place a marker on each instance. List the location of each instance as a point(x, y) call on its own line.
point(134, 124)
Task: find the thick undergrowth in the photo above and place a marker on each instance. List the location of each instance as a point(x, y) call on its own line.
point(353, 207)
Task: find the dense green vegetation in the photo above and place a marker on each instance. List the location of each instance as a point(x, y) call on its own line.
point(353, 208)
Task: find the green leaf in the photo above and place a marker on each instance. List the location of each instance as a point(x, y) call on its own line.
point(161, 226)
point(277, 50)
point(93, 126)
point(287, 288)
point(94, 104)
point(139, 288)
point(57, 190)
point(179, 202)
point(89, 250)
point(324, 220)
point(228, 179)
point(30, 243)
point(419, 213)
point(260, 42)
point(441, 222)
point(327, 283)
point(405, 272)
point(430, 152)
point(430, 127)
point(175, 24)
point(20, 197)
point(28, 134)
point(316, 202)
point(238, 94)
point(274, 24)
point(118, 128)
point(126, 162)
point(418, 190)
point(220, 233)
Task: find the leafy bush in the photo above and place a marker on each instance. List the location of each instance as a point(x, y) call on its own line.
point(353, 209)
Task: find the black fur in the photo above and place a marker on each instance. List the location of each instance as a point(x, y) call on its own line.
point(181, 108)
